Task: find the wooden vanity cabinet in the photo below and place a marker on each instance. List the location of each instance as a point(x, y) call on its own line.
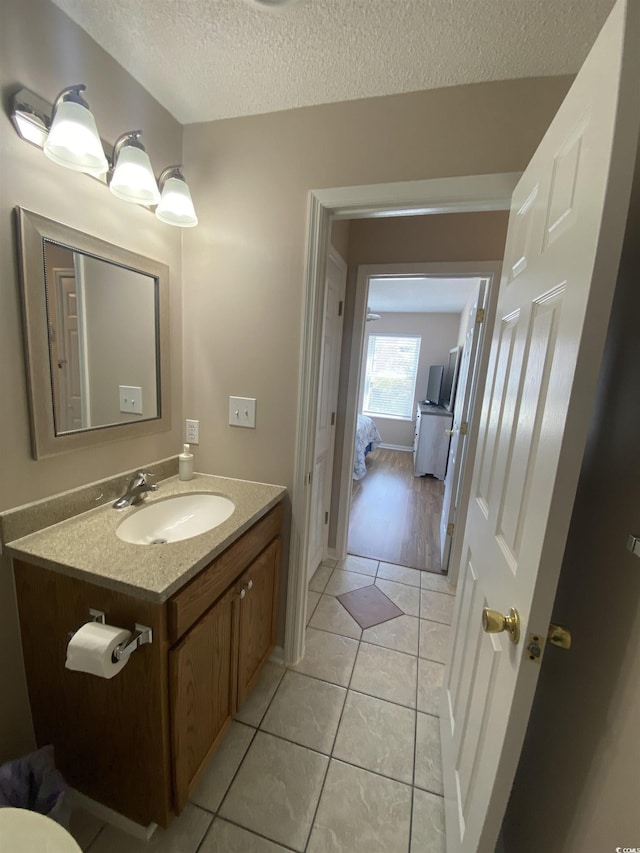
point(214, 666)
point(257, 617)
point(202, 700)
point(139, 742)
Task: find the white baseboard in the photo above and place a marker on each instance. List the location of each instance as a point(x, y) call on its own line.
point(396, 447)
point(277, 655)
point(113, 818)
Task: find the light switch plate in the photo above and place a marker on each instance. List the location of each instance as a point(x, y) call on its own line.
point(130, 399)
point(242, 411)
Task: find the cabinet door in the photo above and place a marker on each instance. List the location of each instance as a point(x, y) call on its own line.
point(202, 684)
point(258, 593)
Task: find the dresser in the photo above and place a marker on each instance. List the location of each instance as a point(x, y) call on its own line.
point(431, 441)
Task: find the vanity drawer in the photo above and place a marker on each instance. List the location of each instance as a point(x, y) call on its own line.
point(188, 605)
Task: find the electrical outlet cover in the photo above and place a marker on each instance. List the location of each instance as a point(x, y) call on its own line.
point(192, 432)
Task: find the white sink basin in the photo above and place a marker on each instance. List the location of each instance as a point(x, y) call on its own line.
point(176, 518)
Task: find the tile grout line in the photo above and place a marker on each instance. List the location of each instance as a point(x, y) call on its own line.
point(330, 756)
point(331, 753)
point(251, 832)
point(233, 778)
point(95, 837)
point(415, 738)
point(360, 690)
point(208, 829)
point(335, 737)
point(367, 640)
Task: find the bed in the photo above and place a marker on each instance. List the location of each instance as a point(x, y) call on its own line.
point(367, 439)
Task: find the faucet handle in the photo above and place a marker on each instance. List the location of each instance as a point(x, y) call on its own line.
point(140, 479)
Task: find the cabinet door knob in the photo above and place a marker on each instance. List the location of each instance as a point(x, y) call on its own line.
point(250, 585)
point(449, 431)
point(243, 592)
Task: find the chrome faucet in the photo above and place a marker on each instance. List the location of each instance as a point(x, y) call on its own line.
point(137, 489)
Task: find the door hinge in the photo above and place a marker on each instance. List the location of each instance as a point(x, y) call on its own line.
point(333, 418)
point(326, 518)
point(464, 426)
point(450, 528)
point(309, 478)
point(340, 307)
point(480, 315)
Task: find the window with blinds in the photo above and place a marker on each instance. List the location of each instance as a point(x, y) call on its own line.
point(390, 377)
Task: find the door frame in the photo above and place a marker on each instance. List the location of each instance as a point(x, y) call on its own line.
point(489, 270)
point(467, 193)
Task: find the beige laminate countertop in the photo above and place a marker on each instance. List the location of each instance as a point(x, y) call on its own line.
point(86, 546)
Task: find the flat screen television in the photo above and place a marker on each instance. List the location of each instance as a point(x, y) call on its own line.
point(434, 385)
point(450, 379)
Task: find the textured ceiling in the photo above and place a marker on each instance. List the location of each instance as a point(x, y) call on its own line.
point(212, 59)
point(420, 294)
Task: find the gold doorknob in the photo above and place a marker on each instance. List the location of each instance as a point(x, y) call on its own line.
point(494, 623)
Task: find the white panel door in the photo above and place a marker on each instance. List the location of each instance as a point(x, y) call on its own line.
point(465, 396)
point(67, 366)
point(321, 481)
point(563, 248)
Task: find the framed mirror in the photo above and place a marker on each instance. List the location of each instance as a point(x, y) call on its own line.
point(96, 333)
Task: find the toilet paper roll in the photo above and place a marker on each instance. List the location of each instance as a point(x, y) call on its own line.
point(91, 647)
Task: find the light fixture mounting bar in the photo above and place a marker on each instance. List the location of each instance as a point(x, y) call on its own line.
point(25, 104)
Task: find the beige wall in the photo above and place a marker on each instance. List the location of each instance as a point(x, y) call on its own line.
point(577, 788)
point(340, 236)
point(441, 237)
point(243, 266)
point(41, 49)
point(438, 333)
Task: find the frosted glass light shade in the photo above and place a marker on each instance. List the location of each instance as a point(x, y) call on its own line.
point(133, 179)
point(176, 206)
point(73, 140)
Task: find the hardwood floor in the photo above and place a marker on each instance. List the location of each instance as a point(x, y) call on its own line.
point(395, 516)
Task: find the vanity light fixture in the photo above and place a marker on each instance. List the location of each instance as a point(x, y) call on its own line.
point(133, 179)
point(66, 131)
point(176, 206)
point(73, 139)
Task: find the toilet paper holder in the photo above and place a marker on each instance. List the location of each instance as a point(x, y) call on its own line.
point(142, 636)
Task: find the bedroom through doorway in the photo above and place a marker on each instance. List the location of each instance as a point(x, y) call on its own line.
point(407, 451)
point(395, 517)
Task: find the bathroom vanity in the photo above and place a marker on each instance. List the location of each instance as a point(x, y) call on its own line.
point(138, 742)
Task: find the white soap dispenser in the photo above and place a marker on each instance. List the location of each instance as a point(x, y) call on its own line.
point(185, 464)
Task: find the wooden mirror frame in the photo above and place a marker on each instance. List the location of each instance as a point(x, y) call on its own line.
point(32, 229)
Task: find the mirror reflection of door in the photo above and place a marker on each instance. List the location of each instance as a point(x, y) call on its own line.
point(66, 348)
point(65, 351)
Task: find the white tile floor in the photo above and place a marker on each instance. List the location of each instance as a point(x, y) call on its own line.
point(340, 753)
